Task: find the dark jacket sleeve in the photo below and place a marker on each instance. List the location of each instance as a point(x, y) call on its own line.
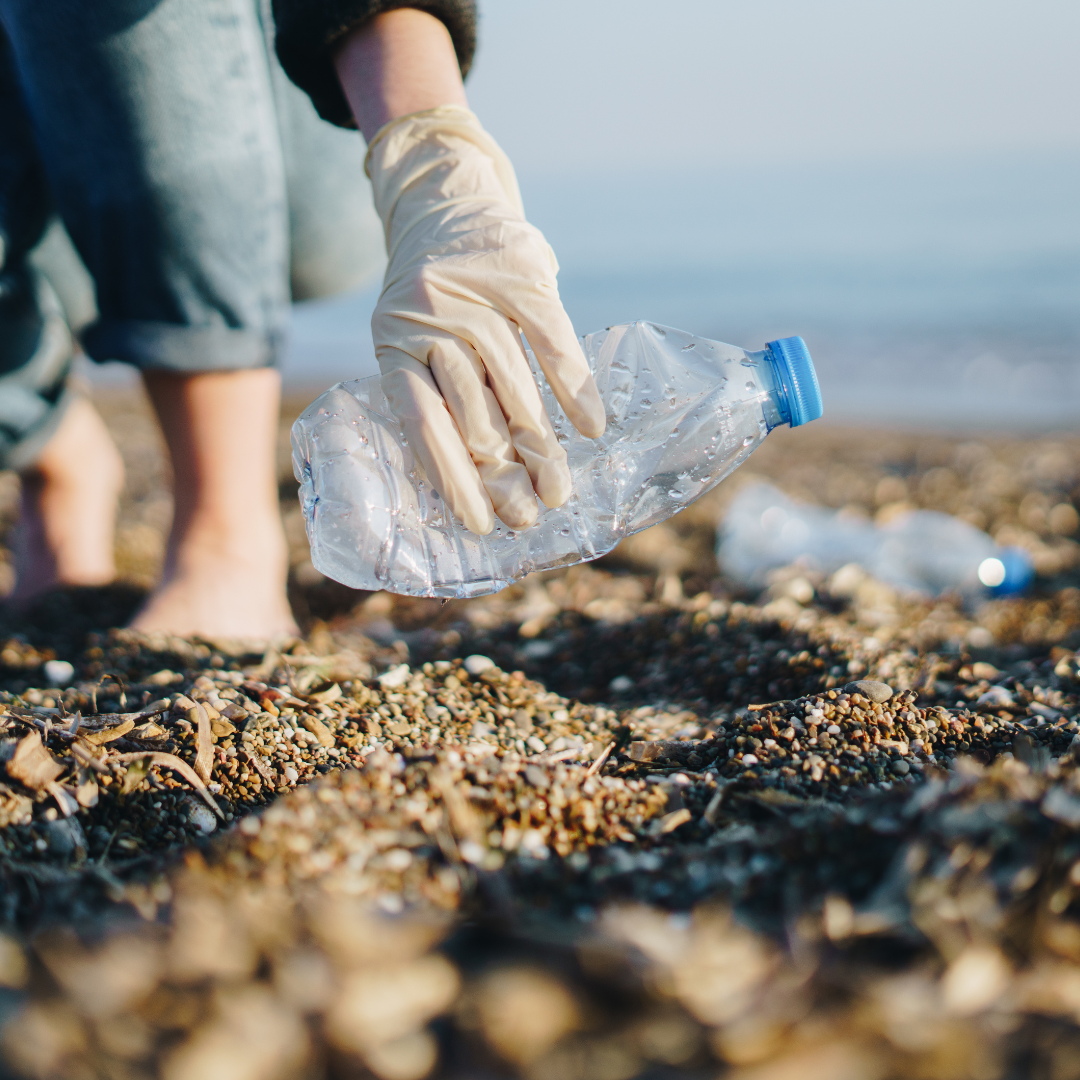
point(307, 30)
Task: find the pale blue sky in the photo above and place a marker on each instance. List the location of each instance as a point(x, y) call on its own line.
point(596, 85)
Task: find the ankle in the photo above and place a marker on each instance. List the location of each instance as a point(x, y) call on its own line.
point(257, 538)
point(68, 507)
point(82, 452)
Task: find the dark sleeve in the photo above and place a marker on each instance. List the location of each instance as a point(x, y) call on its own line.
point(307, 30)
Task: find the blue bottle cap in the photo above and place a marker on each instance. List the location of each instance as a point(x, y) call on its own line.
point(1008, 572)
point(800, 395)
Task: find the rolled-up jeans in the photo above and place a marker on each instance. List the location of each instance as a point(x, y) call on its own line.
point(197, 185)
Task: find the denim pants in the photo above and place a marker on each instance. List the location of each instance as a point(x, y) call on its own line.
point(197, 185)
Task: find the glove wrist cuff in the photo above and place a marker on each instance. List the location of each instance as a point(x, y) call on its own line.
point(457, 113)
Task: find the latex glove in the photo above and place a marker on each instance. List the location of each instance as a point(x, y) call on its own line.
point(467, 271)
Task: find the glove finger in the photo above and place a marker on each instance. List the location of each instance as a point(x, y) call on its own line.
point(461, 379)
point(415, 400)
point(498, 342)
point(549, 331)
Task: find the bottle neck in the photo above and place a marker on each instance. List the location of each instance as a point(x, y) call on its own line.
point(774, 406)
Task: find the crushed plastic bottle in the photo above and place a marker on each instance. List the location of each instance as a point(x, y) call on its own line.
point(682, 413)
point(922, 551)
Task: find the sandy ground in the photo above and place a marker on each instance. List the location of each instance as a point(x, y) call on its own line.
point(550, 833)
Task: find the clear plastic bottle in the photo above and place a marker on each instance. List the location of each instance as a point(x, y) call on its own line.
point(922, 551)
point(682, 413)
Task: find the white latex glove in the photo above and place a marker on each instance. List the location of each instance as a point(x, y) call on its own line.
point(466, 272)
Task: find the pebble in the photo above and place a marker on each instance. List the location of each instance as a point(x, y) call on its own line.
point(477, 664)
point(58, 673)
point(996, 696)
point(878, 692)
point(395, 677)
point(201, 816)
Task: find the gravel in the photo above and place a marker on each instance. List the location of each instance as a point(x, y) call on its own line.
point(625, 820)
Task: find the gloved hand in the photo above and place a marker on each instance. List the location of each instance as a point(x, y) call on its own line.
point(466, 272)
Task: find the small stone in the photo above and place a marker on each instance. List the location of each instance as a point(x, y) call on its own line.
point(200, 815)
point(477, 664)
point(65, 836)
point(870, 689)
point(656, 750)
point(58, 672)
point(290, 774)
point(399, 859)
point(212, 712)
point(319, 730)
point(537, 777)
point(331, 694)
point(996, 697)
point(901, 768)
point(395, 677)
point(621, 684)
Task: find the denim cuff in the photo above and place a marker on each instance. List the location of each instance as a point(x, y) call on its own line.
point(159, 346)
point(19, 450)
point(35, 396)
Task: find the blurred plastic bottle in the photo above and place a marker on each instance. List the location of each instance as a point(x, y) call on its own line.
point(682, 413)
point(922, 551)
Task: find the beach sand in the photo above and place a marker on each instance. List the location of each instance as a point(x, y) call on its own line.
point(544, 833)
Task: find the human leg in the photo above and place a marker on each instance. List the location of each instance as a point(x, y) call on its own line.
point(71, 473)
point(180, 160)
point(67, 511)
point(156, 125)
point(227, 559)
point(226, 501)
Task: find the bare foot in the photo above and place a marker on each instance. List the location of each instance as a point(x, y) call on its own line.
point(227, 560)
point(224, 582)
point(67, 515)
